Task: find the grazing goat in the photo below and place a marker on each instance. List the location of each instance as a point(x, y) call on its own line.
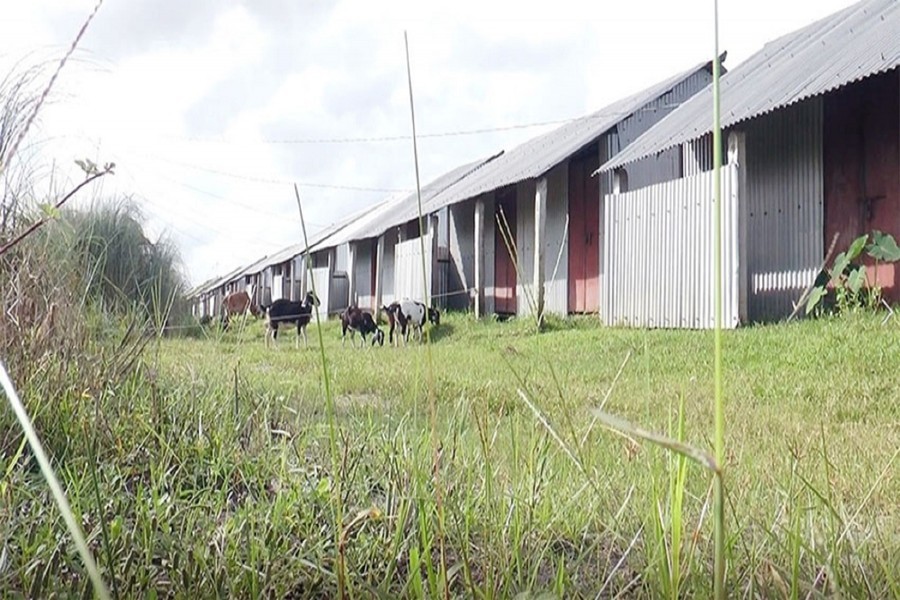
point(358, 321)
point(410, 314)
point(237, 303)
point(285, 311)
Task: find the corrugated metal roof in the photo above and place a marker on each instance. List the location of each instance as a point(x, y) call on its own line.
point(281, 256)
point(857, 42)
point(216, 282)
point(400, 210)
point(537, 156)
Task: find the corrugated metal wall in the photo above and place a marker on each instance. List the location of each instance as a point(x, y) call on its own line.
point(391, 237)
point(408, 281)
point(461, 278)
point(556, 242)
point(525, 246)
point(667, 165)
point(489, 265)
point(365, 292)
point(298, 266)
point(321, 277)
point(696, 155)
point(784, 207)
point(658, 254)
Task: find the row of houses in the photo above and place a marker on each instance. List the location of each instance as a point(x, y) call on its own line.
point(612, 213)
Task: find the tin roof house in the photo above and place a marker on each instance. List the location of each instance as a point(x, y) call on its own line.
point(541, 194)
point(525, 230)
point(811, 129)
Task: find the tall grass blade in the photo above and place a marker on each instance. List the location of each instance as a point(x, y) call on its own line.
point(429, 371)
point(55, 488)
point(337, 494)
point(719, 567)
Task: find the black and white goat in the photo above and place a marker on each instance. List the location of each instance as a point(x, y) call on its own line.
point(286, 311)
point(359, 321)
point(409, 314)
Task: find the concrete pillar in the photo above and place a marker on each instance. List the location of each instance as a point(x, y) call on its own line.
point(540, 225)
point(479, 257)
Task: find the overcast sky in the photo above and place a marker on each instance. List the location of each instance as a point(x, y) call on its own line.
point(211, 108)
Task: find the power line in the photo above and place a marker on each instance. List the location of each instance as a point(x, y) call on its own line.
point(230, 201)
point(272, 181)
point(406, 137)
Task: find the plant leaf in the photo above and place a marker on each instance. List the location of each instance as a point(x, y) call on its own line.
point(856, 279)
point(857, 246)
point(815, 296)
point(841, 262)
point(883, 247)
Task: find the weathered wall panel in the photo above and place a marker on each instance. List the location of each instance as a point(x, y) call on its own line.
point(666, 165)
point(556, 241)
point(784, 207)
point(321, 279)
point(525, 247)
point(391, 237)
point(658, 254)
point(489, 243)
point(862, 168)
point(408, 281)
point(461, 278)
point(365, 286)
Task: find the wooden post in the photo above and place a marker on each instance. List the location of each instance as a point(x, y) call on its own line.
point(540, 225)
point(351, 274)
point(479, 257)
point(379, 273)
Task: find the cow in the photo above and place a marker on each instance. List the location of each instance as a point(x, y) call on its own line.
point(238, 303)
point(409, 314)
point(286, 311)
point(359, 321)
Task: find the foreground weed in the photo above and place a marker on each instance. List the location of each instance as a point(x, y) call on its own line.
point(50, 476)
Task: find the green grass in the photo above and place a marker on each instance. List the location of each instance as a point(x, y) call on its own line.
point(208, 488)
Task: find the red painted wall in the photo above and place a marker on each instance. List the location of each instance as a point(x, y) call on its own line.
point(862, 167)
point(584, 235)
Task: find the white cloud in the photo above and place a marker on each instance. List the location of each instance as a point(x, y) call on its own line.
point(155, 76)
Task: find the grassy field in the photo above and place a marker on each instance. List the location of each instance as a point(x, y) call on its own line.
point(221, 469)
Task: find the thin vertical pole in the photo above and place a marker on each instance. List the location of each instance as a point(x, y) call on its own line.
point(719, 581)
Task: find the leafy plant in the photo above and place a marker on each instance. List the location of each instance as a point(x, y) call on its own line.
point(848, 277)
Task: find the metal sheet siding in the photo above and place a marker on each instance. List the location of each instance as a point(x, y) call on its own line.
point(363, 275)
point(666, 165)
point(391, 237)
point(408, 282)
point(321, 278)
point(785, 207)
point(845, 47)
point(525, 247)
point(556, 243)
point(658, 254)
point(462, 255)
point(489, 243)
